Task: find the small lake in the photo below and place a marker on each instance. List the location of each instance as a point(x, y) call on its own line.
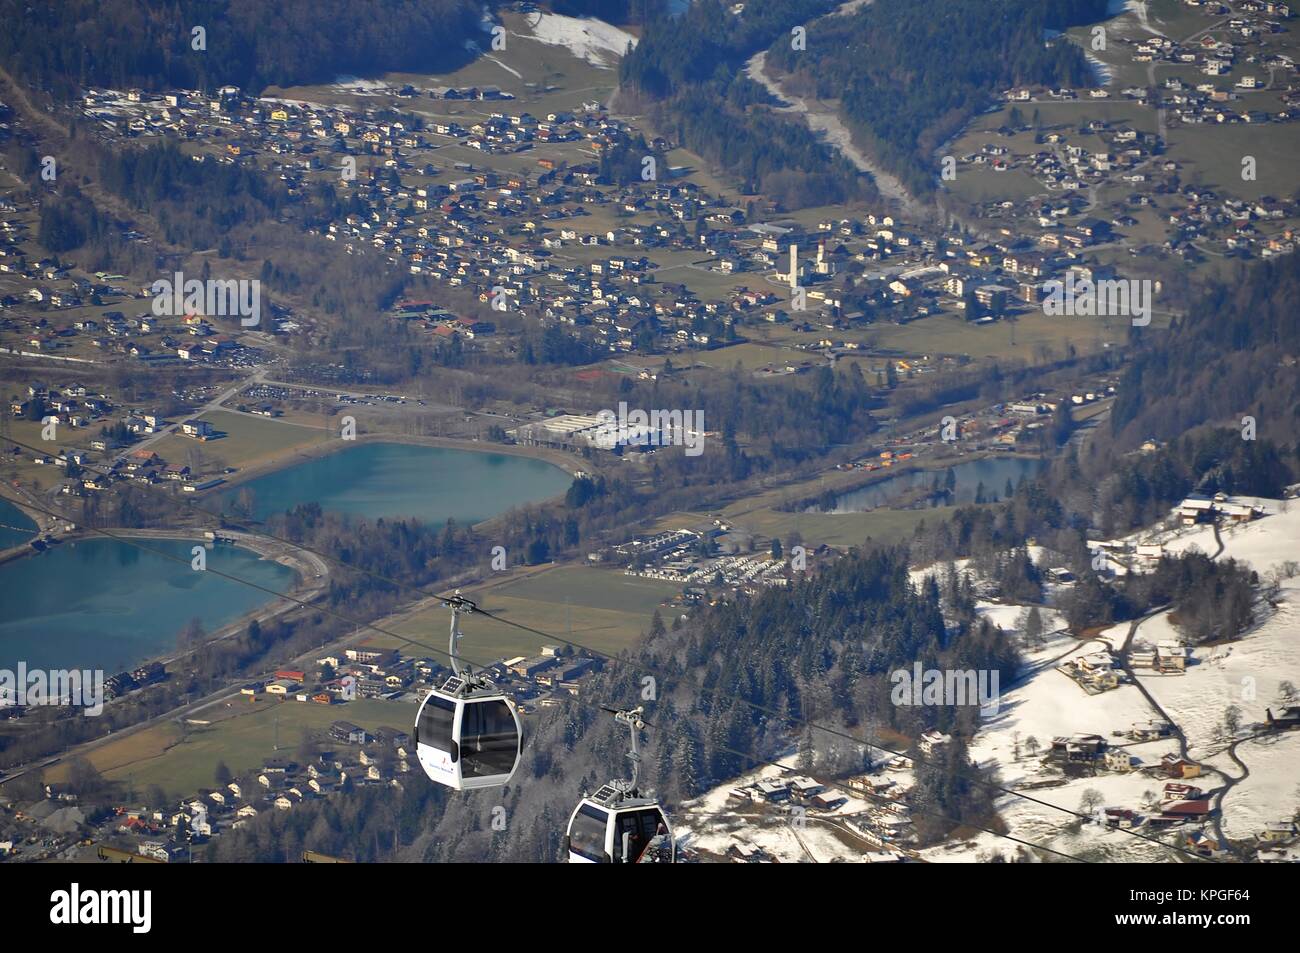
point(393, 480)
point(992, 472)
point(11, 516)
point(103, 603)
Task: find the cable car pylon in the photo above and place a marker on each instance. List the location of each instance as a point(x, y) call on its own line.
point(467, 733)
point(620, 824)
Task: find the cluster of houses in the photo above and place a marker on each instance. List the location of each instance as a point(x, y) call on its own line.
point(1238, 58)
point(1203, 508)
point(1095, 673)
point(71, 405)
point(358, 756)
point(886, 824)
point(503, 234)
point(56, 312)
point(677, 556)
point(367, 672)
point(279, 785)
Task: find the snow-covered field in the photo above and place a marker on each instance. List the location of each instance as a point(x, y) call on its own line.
point(1044, 703)
point(1270, 793)
point(1246, 673)
point(709, 823)
point(599, 43)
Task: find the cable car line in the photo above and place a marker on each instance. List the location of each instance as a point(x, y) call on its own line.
point(413, 587)
point(915, 759)
point(757, 706)
point(457, 602)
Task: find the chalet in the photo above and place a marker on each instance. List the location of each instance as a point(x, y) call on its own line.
point(1078, 749)
point(1177, 791)
point(392, 737)
point(1174, 812)
point(1121, 762)
point(1121, 817)
point(1174, 766)
point(933, 740)
point(1150, 730)
point(827, 801)
point(1171, 657)
point(773, 792)
point(1287, 718)
point(1278, 831)
point(348, 733)
point(1197, 508)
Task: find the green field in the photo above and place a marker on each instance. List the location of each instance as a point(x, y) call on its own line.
point(1214, 154)
point(980, 185)
point(243, 734)
point(953, 334)
point(599, 608)
point(838, 529)
point(248, 441)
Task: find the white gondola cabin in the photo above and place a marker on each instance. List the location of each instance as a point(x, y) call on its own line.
point(468, 741)
point(618, 824)
point(612, 827)
point(467, 733)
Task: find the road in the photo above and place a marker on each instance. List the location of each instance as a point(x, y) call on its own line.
point(1183, 749)
point(827, 122)
point(214, 404)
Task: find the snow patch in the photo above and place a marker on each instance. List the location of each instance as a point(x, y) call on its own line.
point(599, 43)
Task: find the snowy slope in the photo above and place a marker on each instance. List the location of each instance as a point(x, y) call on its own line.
point(597, 42)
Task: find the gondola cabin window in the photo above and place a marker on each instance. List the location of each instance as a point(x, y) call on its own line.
point(640, 828)
point(587, 833)
point(489, 741)
point(436, 725)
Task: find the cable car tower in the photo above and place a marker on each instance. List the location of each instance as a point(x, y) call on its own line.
point(467, 733)
point(619, 824)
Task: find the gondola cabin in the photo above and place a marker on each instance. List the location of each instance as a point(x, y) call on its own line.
point(613, 827)
point(468, 739)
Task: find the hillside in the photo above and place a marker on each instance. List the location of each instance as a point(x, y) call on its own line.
point(61, 47)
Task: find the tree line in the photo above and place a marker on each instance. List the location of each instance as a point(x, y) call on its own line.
point(64, 47)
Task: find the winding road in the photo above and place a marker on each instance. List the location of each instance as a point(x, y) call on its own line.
point(826, 121)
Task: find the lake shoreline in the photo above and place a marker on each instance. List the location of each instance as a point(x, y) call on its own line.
point(311, 576)
point(299, 455)
point(914, 465)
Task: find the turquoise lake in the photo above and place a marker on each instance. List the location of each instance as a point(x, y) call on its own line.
point(102, 603)
point(11, 516)
point(433, 484)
